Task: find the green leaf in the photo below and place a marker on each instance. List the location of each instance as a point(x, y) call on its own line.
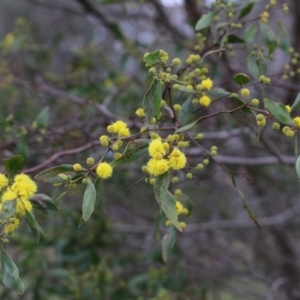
point(22, 147)
point(152, 100)
point(218, 93)
point(183, 88)
point(186, 112)
point(89, 200)
point(241, 79)
point(13, 164)
point(10, 207)
point(186, 127)
point(98, 188)
point(35, 227)
point(10, 273)
point(249, 34)
point(296, 103)
point(43, 203)
point(152, 58)
point(205, 20)
point(168, 243)
point(268, 37)
point(240, 102)
point(42, 120)
point(297, 165)
point(187, 203)
point(279, 111)
point(284, 41)
point(245, 205)
point(246, 9)
point(262, 65)
point(52, 175)
point(234, 39)
point(134, 150)
point(252, 67)
point(157, 99)
point(165, 199)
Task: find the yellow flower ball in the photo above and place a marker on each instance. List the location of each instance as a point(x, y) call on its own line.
point(140, 112)
point(24, 186)
point(77, 167)
point(205, 101)
point(296, 122)
point(104, 170)
point(157, 167)
point(245, 92)
point(156, 149)
point(177, 160)
point(207, 84)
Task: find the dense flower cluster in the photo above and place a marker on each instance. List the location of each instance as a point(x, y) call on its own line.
point(22, 188)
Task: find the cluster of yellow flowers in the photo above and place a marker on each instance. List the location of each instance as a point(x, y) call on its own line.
point(22, 188)
point(164, 155)
point(120, 128)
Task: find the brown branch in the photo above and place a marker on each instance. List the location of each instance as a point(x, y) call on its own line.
point(57, 155)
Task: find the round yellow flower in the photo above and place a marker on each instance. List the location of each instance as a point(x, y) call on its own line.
point(122, 132)
point(104, 170)
point(205, 101)
point(140, 112)
point(24, 186)
point(156, 149)
point(245, 92)
point(77, 167)
point(177, 160)
point(157, 167)
point(104, 140)
point(296, 122)
point(206, 84)
point(3, 181)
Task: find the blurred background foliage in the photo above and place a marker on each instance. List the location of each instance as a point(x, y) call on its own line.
point(68, 69)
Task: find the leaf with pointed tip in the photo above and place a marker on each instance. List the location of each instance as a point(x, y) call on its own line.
point(186, 127)
point(279, 111)
point(89, 200)
point(252, 67)
point(234, 39)
point(241, 79)
point(168, 243)
point(134, 150)
point(296, 103)
point(152, 58)
point(52, 175)
point(34, 225)
point(43, 203)
point(165, 199)
point(13, 164)
point(205, 20)
point(10, 271)
point(245, 205)
point(249, 34)
point(186, 112)
point(268, 37)
point(246, 8)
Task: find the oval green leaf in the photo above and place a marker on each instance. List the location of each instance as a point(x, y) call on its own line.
point(279, 111)
point(51, 175)
point(296, 103)
point(134, 150)
point(10, 273)
point(152, 58)
point(241, 79)
point(168, 243)
point(89, 200)
point(205, 20)
point(186, 127)
point(13, 164)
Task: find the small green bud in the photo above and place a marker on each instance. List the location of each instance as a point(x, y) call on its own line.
point(276, 126)
point(206, 161)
